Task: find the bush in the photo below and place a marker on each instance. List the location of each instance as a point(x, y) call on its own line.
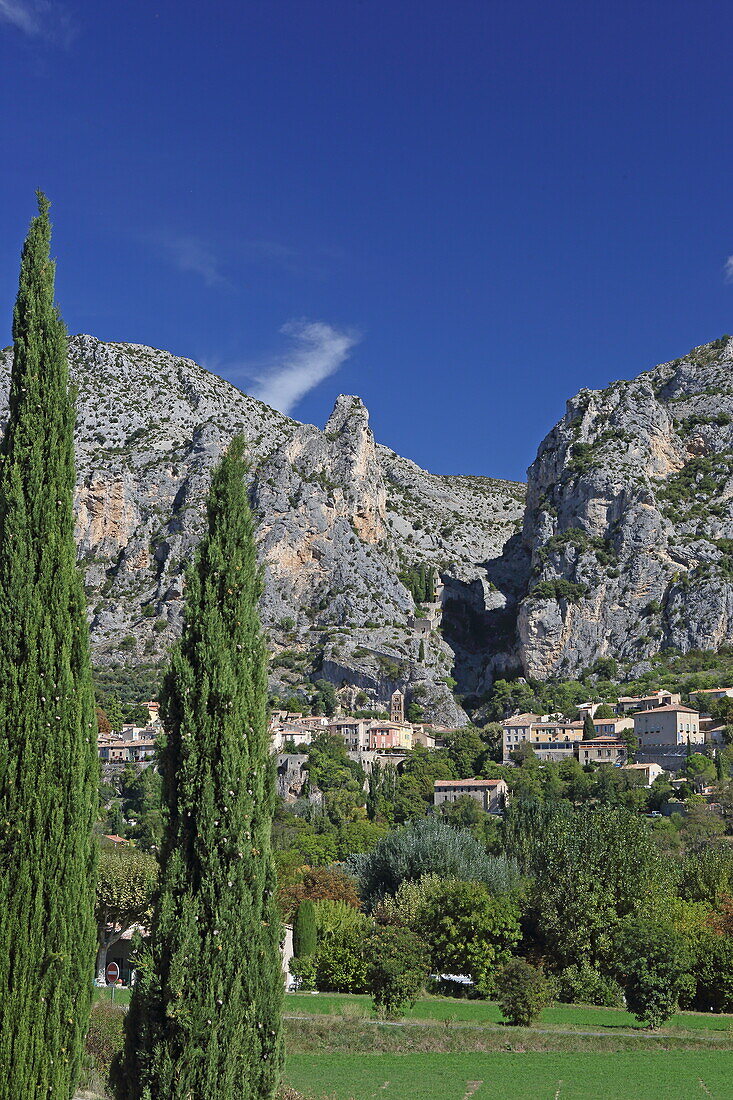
point(398, 970)
point(303, 969)
point(584, 985)
point(340, 963)
point(654, 963)
point(523, 992)
point(470, 932)
point(430, 846)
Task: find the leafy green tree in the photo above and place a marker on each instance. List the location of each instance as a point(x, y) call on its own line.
point(406, 907)
point(415, 712)
point(112, 707)
point(463, 813)
point(604, 711)
point(397, 971)
point(470, 931)
point(381, 790)
point(48, 730)
point(589, 730)
point(700, 767)
point(523, 992)
point(592, 867)
point(341, 963)
point(653, 964)
point(138, 715)
point(304, 930)
point(329, 766)
point(576, 781)
point(324, 701)
point(341, 957)
point(205, 1013)
point(125, 884)
point(142, 806)
point(430, 846)
point(466, 751)
point(707, 874)
point(713, 973)
point(416, 783)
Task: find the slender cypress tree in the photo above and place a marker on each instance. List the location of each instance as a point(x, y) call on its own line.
point(304, 929)
point(48, 751)
point(205, 1015)
point(589, 730)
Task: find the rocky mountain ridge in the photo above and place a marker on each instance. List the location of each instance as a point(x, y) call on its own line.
point(341, 520)
point(625, 545)
point(629, 520)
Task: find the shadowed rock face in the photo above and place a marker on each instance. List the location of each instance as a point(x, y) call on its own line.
point(339, 518)
point(629, 509)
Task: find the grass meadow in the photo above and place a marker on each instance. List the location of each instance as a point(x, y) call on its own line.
point(503, 1076)
point(448, 1049)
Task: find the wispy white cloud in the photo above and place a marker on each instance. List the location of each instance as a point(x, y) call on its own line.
point(729, 270)
point(192, 254)
point(39, 19)
point(318, 351)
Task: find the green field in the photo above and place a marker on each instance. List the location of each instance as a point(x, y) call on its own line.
point(486, 1012)
point(643, 1076)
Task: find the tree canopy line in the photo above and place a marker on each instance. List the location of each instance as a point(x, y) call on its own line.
point(205, 1013)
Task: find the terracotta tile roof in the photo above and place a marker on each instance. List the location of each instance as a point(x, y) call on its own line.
point(667, 710)
point(468, 782)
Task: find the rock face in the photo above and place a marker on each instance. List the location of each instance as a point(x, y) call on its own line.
point(626, 544)
point(629, 520)
point(340, 518)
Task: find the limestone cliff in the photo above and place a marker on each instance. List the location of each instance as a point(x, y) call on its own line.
point(629, 520)
point(340, 518)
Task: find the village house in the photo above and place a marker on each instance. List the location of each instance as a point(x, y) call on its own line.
point(601, 750)
point(123, 751)
point(549, 740)
point(353, 732)
point(297, 734)
point(650, 771)
point(491, 794)
point(427, 737)
point(705, 696)
point(388, 737)
point(668, 725)
point(612, 727)
point(627, 704)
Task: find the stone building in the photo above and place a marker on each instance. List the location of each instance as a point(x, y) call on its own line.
point(397, 707)
point(491, 794)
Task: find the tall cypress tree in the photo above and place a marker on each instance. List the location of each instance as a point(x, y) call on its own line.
point(205, 1014)
point(48, 751)
point(304, 929)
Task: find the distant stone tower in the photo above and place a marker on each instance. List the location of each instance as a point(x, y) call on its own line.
point(397, 707)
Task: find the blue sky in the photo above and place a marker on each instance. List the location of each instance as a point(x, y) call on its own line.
point(463, 211)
